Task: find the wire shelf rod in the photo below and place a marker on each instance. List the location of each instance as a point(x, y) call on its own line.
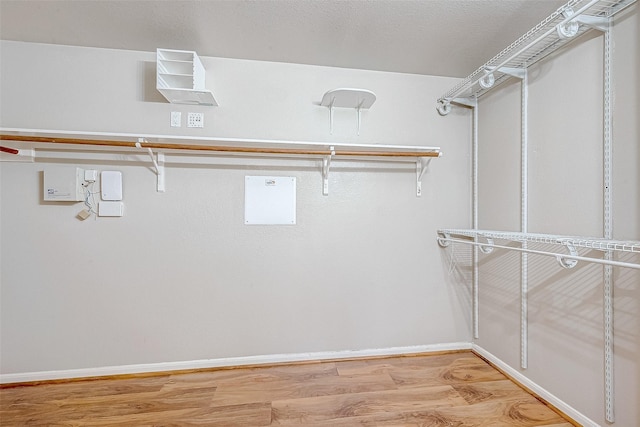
point(546, 253)
point(576, 241)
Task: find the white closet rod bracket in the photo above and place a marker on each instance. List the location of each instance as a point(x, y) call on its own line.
point(326, 165)
point(422, 164)
point(488, 248)
point(158, 164)
point(568, 262)
point(444, 106)
point(444, 239)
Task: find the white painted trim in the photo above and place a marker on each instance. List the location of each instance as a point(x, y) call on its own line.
point(226, 362)
point(535, 388)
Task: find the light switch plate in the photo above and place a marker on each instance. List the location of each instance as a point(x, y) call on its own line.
point(176, 119)
point(195, 120)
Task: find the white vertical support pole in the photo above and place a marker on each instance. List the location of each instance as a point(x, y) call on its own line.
point(475, 256)
point(524, 223)
point(608, 232)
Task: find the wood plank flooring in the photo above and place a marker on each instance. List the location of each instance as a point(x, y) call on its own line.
point(452, 390)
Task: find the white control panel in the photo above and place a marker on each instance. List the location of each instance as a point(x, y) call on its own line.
point(111, 185)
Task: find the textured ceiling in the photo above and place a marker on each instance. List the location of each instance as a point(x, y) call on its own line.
point(436, 37)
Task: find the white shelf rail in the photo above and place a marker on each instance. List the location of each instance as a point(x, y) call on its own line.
point(567, 22)
point(484, 239)
point(26, 143)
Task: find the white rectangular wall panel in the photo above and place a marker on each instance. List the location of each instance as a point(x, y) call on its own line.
point(111, 185)
point(63, 185)
point(270, 200)
point(110, 209)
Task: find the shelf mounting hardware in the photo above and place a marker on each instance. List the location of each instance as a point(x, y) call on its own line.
point(326, 165)
point(488, 248)
point(360, 99)
point(487, 81)
point(567, 29)
point(422, 164)
point(158, 164)
point(568, 262)
point(444, 105)
point(444, 239)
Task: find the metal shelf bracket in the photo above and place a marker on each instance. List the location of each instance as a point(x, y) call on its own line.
point(600, 23)
point(519, 73)
point(158, 164)
point(326, 165)
point(488, 248)
point(422, 164)
point(568, 262)
point(444, 106)
point(444, 239)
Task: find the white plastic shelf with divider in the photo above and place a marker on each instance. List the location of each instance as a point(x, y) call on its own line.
point(181, 78)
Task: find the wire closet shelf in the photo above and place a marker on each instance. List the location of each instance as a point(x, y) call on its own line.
point(569, 21)
point(485, 240)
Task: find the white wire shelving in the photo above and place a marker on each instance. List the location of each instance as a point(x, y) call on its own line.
point(575, 241)
point(571, 20)
point(485, 240)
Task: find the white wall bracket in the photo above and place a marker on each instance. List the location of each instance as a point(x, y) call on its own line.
point(158, 165)
point(600, 23)
point(444, 106)
point(568, 262)
point(519, 73)
point(489, 246)
point(360, 99)
point(422, 164)
point(326, 165)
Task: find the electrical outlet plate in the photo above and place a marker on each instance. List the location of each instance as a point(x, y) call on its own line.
point(195, 120)
point(176, 119)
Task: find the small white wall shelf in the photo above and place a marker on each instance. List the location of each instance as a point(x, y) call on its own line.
point(348, 98)
point(181, 78)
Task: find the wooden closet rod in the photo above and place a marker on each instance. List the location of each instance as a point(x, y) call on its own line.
point(213, 148)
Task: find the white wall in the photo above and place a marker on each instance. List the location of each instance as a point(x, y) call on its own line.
point(180, 277)
point(565, 197)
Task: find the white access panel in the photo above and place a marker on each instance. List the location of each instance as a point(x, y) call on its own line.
point(63, 185)
point(270, 200)
point(111, 185)
point(110, 209)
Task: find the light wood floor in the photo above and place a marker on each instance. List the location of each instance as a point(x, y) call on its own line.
point(453, 390)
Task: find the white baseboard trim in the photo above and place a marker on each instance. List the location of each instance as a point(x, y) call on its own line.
point(535, 388)
point(225, 362)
